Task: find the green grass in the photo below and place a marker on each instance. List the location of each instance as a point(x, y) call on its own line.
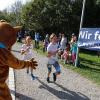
point(89, 66)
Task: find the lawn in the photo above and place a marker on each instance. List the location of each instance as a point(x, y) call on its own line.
point(89, 65)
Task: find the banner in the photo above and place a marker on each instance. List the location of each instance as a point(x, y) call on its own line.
point(89, 38)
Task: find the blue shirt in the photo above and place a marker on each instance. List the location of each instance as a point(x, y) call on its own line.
point(74, 48)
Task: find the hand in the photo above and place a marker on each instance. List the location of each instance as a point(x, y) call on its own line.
point(33, 63)
point(22, 52)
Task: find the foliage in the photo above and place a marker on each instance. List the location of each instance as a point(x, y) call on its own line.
point(54, 15)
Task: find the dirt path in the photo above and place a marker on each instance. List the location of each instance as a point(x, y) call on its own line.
point(69, 85)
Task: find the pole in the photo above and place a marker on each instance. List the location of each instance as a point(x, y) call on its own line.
point(81, 24)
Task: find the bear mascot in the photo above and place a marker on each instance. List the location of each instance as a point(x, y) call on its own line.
point(8, 36)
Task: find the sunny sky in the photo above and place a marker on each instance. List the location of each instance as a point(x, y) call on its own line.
point(6, 3)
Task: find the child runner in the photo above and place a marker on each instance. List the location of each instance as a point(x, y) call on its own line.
point(52, 50)
point(27, 53)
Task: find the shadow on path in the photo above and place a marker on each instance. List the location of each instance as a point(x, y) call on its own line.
point(21, 96)
point(65, 94)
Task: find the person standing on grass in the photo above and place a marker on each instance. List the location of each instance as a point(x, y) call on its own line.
point(45, 43)
point(74, 49)
point(63, 42)
point(37, 39)
point(52, 50)
point(66, 55)
point(27, 53)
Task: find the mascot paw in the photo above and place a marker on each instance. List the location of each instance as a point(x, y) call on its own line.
point(33, 63)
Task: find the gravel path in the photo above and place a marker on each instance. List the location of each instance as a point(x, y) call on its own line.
point(69, 85)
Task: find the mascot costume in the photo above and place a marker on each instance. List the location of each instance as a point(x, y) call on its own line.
point(8, 36)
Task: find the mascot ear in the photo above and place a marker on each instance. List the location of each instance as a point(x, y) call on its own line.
point(17, 28)
point(2, 20)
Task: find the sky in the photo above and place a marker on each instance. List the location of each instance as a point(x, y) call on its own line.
point(6, 3)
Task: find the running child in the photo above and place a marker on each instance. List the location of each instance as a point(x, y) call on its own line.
point(52, 50)
point(27, 53)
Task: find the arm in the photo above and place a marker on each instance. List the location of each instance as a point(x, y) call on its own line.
point(49, 54)
point(7, 58)
point(22, 50)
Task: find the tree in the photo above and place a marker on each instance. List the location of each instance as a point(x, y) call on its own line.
point(14, 13)
point(54, 15)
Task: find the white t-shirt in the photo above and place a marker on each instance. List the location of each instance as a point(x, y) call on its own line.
point(63, 43)
point(52, 48)
point(28, 55)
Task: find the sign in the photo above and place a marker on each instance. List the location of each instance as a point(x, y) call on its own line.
point(89, 38)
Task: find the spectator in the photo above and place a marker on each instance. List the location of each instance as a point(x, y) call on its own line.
point(59, 40)
point(45, 44)
point(63, 42)
point(66, 55)
point(74, 49)
point(19, 37)
point(37, 38)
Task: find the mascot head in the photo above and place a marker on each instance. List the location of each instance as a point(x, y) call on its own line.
point(8, 34)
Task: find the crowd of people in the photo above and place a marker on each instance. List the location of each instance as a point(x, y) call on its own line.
point(66, 49)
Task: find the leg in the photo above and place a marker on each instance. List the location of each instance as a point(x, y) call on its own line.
point(31, 70)
point(73, 58)
point(27, 70)
point(37, 44)
point(49, 72)
point(58, 70)
point(65, 61)
point(33, 77)
point(67, 58)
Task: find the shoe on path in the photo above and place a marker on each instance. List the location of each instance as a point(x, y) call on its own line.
point(48, 79)
point(33, 77)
